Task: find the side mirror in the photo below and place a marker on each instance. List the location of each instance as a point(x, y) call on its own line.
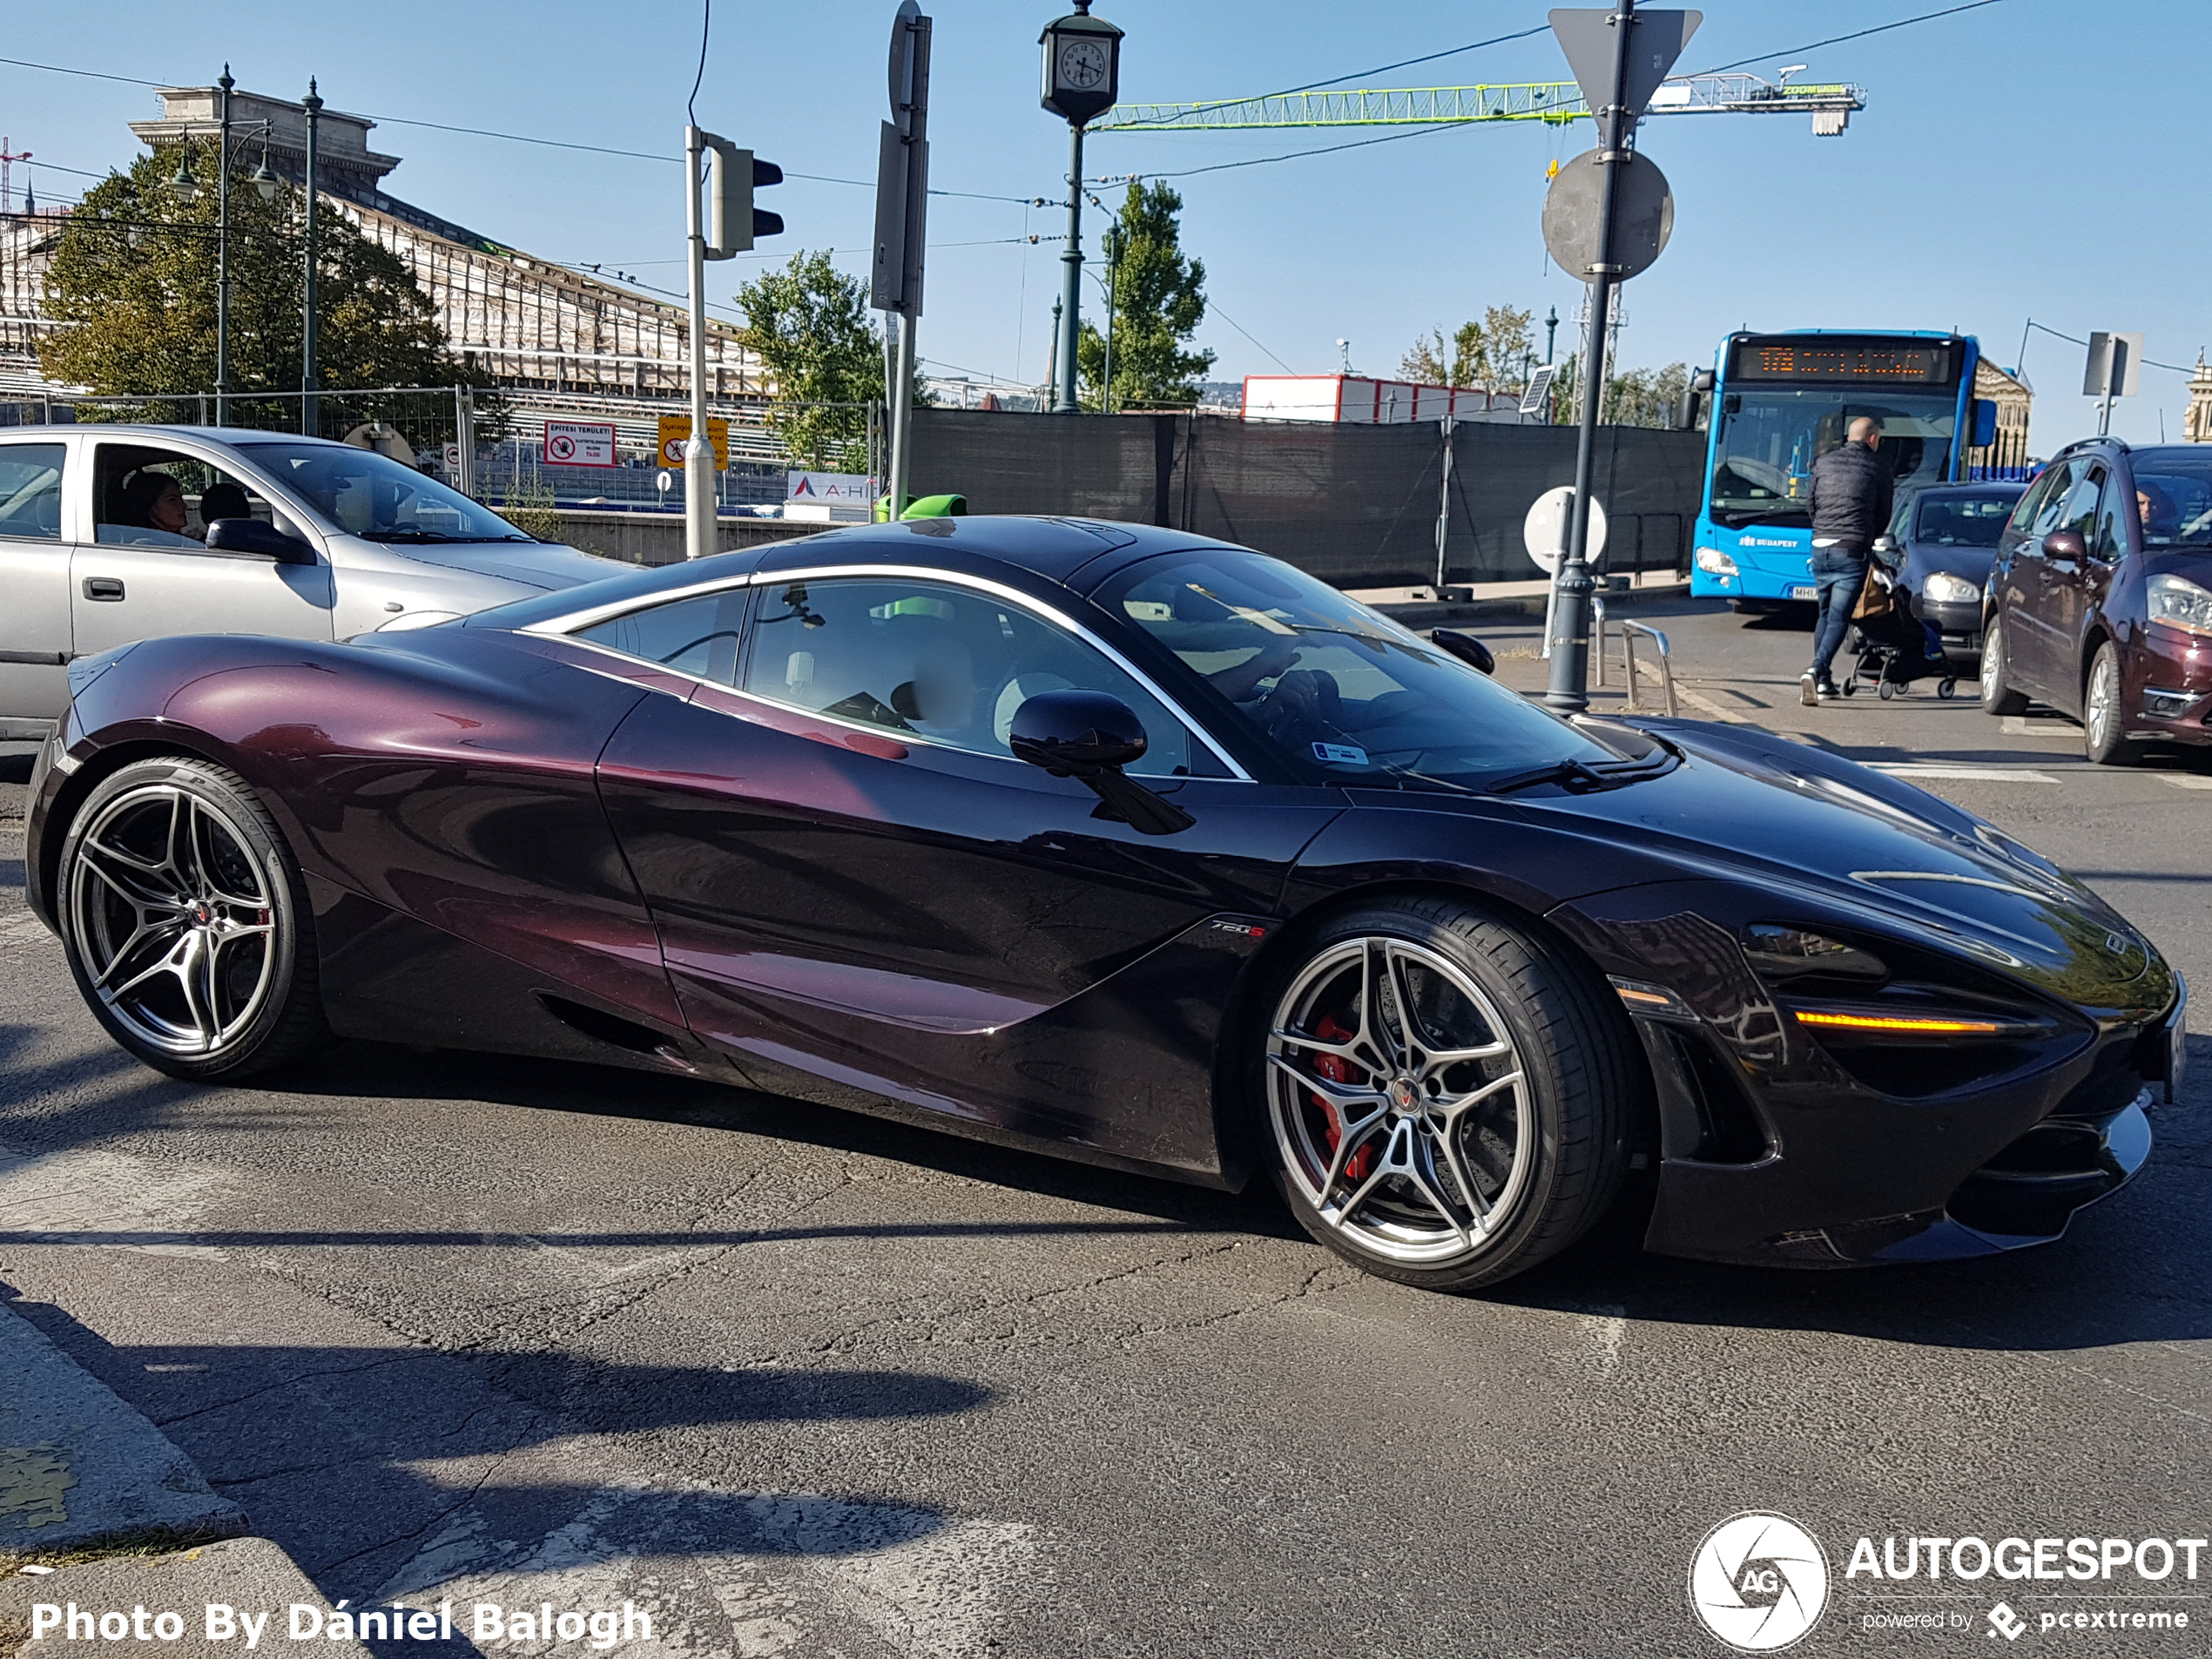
point(1076, 734)
point(1985, 422)
point(265, 540)
point(1091, 736)
point(2066, 544)
point(1467, 648)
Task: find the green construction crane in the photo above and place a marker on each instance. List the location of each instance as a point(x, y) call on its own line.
point(1557, 101)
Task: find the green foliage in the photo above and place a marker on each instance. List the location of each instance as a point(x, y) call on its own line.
point(531, 508)
point(1159, 300)
point(809, 322)
point(1649, 397)
point(1491, 352)
point(134, 270)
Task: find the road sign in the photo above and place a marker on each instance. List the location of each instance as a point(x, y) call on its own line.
point(676, 432)
point(1544, 531)
point(1643, 210)
point(902, 169)
point(1585, 36)
point(2114, 367)
point(580, 443)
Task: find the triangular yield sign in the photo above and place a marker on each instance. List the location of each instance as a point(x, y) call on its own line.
point(1585, 34)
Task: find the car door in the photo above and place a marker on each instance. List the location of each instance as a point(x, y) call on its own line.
point(2022, 579)
point(133, 580)
point(856, 882)
point(34, 584)
point(2058, 611)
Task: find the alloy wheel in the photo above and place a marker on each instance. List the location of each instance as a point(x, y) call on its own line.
point(2103, 702)
point(172, 918)
point(1399, 1101)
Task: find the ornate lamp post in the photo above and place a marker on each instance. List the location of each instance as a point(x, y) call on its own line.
point(1082, 66)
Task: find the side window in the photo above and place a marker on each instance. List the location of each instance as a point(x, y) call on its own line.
point(2080, 512)
point(2044, 504)
point(940, 662)
point(2109, 543)
point(697, 636)
point(148, 497)
point(30, 490)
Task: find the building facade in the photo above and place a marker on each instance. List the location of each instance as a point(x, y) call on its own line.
point(535, 326)
point(2196, 422)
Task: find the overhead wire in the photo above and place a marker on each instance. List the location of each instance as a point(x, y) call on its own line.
point(1857, 34)
point(2148, 363)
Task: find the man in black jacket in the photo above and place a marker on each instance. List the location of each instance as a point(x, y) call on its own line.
point(1852, 487)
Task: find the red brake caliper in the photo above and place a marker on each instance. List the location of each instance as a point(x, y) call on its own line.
point(1338, 1069)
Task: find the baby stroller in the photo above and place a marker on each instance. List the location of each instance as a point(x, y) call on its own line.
point(1892, 646)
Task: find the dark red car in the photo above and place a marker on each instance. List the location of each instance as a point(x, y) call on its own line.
point(2100, 597)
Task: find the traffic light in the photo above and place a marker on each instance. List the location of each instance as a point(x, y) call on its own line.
point(731, 177)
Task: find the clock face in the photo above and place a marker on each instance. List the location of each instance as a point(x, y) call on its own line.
point(1083, 64)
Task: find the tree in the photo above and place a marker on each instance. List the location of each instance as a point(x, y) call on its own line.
point(1490, 352)
point(133, 273)
point(1158, 301)
point(1649, 397)
point(809, 322)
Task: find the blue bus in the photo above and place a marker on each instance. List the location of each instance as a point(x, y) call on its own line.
point(1780, 400)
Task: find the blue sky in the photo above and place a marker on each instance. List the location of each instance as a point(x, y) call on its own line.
point(2031, 158)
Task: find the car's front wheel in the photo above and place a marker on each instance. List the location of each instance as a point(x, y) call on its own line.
point(1997, 696)
point(186, 924)
point(1446, 1096)
point(2104, 720)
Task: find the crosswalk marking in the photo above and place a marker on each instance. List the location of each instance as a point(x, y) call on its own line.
point(2185, 780)
point(1979, 774)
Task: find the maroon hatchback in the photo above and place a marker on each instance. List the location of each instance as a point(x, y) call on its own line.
point(2101, 597)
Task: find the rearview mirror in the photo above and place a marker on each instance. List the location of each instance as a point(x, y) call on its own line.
point(2065, 544)
point(252, 536)
point(1075, 734)
point(1091, 736)
point(1467, 648)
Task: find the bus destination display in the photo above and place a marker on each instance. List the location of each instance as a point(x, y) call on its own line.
point(1887, 362)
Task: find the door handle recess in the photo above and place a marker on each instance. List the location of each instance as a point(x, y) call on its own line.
point(104, 587)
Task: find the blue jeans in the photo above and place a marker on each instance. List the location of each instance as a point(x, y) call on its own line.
point(1838, 574)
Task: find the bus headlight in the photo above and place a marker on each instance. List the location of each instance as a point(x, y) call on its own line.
point(1713, 562)
point(2179, 604)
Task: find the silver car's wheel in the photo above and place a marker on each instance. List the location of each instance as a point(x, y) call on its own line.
point(1398, 1101)
point(183, 923)
point(1446, 1096)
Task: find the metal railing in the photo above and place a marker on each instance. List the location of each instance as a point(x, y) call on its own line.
point(1630, 633)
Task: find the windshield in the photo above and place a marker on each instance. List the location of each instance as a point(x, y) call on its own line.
point(1770, 436)
point(2174, 494)
point(1328, 683)
point(1964, 521)
point(379, 498)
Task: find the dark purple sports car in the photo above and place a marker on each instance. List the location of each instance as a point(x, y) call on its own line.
point(1121, 844)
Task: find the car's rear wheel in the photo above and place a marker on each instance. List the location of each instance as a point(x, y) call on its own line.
point(186, 924)
point(2104, 718)
point(1446, 1096)
point(1997, 696)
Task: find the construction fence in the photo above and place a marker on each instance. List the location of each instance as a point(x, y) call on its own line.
point(1357, 506)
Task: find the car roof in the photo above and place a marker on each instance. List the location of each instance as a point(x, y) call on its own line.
point(235, 435)
point(1078, 553)
point(1971, 486)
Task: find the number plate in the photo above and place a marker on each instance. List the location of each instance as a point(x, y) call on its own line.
point(1804, 593)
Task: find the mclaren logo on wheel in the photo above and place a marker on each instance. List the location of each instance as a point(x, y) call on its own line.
point(1758, 1583)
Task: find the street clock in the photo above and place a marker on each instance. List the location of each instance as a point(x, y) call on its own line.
point(1082, 65)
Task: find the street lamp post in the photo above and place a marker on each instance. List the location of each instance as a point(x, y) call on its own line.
point(223, 244)
point(310, 414)
point(1083, 57)
point(1110, 245)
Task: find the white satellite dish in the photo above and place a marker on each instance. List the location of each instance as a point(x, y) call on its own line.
point(1544, 531)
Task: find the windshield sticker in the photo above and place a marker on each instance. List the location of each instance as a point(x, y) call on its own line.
point(1339, 754)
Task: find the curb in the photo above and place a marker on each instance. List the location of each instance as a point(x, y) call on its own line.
point(79, 1469)
point(1442, 613)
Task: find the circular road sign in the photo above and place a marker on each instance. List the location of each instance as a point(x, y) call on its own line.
point(1544, 531)
point(1643, 215)
point(561, 446)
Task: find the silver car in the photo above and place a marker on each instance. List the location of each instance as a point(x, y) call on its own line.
point(110, 534)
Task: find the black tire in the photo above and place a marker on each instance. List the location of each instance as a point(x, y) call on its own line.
point(186, 924)
point(1539, 1133)
point(1997, 695)
point(2104, 712)
point(1947, 688)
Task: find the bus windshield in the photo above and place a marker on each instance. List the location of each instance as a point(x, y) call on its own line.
point(1770, 435)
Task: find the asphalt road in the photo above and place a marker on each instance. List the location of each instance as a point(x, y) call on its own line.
point(797, 1382)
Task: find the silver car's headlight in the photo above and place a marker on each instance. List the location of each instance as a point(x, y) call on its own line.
point(1942, 588)
point(2179, 602)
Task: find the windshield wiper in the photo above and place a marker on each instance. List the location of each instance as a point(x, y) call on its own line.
point(1587, 774)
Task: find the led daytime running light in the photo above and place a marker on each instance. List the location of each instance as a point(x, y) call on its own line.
point(1905, 1025)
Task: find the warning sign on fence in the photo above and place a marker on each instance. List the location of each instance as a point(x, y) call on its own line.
point(676, 432)
point(579, 444)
